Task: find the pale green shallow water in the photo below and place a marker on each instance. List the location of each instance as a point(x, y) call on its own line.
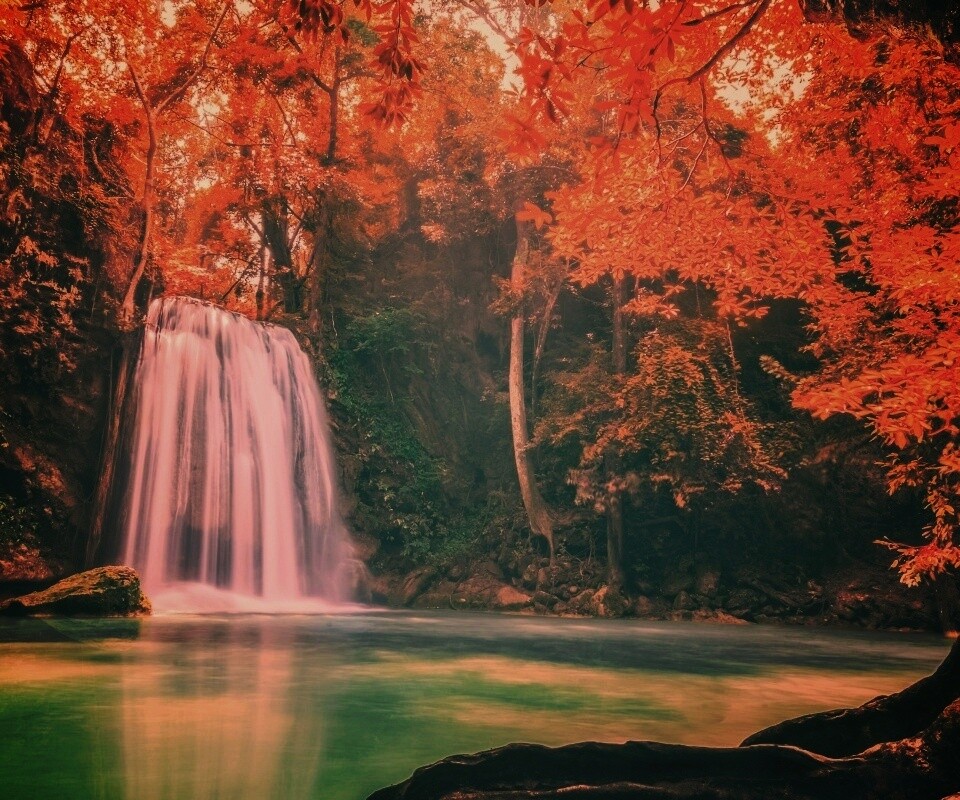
point(332, 707)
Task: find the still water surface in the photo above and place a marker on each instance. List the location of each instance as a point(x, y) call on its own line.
point(333, 707)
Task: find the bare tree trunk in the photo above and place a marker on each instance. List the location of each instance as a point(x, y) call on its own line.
point(538, 349)
point(537, 513)
point(320, 265)
point(948, 602)
point(152, 109)
point(262, 277)
point(273, 214)
point(611, 460)
point(334, 94)
point(127, 308)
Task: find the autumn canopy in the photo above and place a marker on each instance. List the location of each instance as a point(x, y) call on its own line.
point(692, 168)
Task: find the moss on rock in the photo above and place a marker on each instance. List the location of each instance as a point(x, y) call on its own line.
point(103, 591)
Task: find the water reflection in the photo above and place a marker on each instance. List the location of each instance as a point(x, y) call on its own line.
point(333, 707)
point(232, 718)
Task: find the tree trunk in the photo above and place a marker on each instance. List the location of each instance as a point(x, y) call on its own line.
point(261, 294)
point(537, 513)
point(320, 265)
point(274, 224)
point(128, 306)
point(334, 95)
point(848, 731)
point(541, 343)
point(948, 602)
point(611, 460)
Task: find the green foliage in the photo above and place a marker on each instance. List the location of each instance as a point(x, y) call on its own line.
point(676, 421)
point(17, 522)
point(402, 489)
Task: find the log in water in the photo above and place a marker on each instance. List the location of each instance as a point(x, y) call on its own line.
point(232, 487)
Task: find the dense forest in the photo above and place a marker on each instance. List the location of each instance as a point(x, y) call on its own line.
point(621, 308)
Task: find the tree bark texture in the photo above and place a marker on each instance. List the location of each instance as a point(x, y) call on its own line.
point(538, 514)
point(612, 465)
point(127, 307)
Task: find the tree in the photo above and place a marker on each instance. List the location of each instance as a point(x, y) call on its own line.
point(538, 514)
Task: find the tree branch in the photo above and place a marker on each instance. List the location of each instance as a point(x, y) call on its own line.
point(177, 92)
point(721, 51)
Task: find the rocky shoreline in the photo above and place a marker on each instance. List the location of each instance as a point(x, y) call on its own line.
point(864, 598)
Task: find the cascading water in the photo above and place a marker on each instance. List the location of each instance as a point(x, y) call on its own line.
point(231, 499)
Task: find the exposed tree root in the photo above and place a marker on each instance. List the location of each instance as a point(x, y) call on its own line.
point(899, 747)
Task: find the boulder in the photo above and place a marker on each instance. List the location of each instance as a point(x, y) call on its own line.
point(544, 579)
point(708, 581)
point(581, 603)
point(104, 591)
point(508, 597)
point(545, 599)
point(529, 578)
point(416, 584)
point(644, 607)
point(609, 602)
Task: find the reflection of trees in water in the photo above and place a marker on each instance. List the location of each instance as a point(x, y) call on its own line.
point(220, 716)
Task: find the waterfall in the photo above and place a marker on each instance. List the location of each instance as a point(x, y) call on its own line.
point(231, 496)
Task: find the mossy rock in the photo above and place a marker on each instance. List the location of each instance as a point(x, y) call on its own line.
point(101, 592)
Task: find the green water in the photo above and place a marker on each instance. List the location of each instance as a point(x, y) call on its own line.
point(333, 707)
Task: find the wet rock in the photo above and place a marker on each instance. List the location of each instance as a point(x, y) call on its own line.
point(529, 578)
point(358, 580)
point(672, 585)
point(609, 602)
point(415, 584)
point(853, 606)
point(382, 588)
point(644, 607)
point(25, 562)
point(742, 601)
point(718, 617)
point(707, 582)
point(490, 567)
point(684, 601)
point(581, 603)
point(545, 599)
point(544, 578)
point(508, 598)
point(104, 591)
point(365, 547)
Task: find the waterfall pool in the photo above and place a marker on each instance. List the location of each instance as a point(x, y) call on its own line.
point(334, 706)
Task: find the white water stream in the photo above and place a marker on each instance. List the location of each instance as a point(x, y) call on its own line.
point(231, 501)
